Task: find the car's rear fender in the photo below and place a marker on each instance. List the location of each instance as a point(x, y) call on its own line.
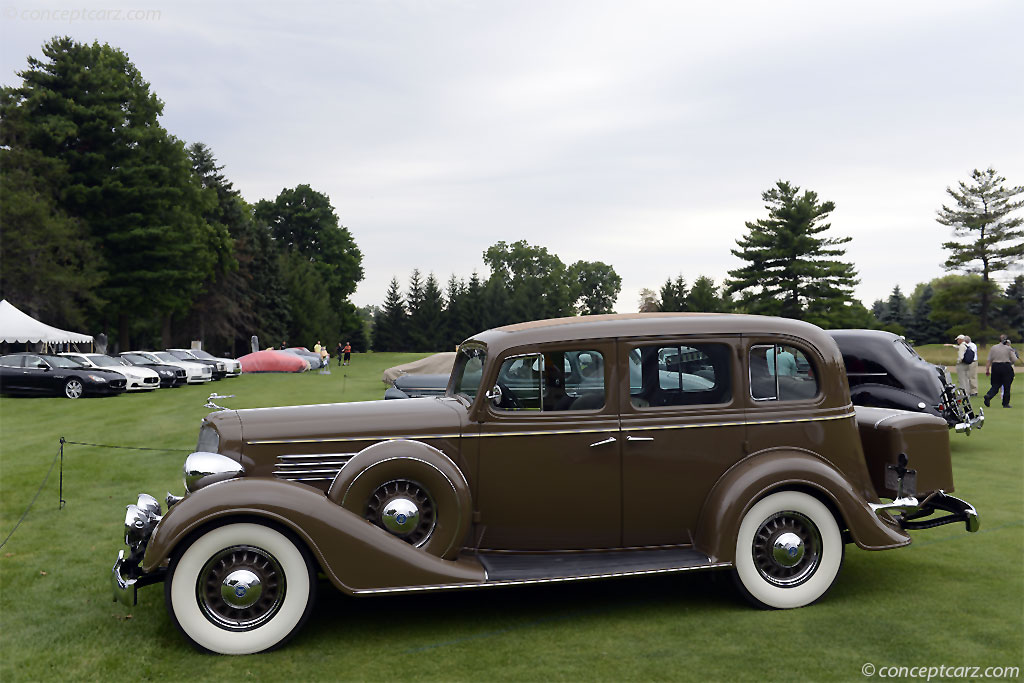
point(356, 556)
point(774, 470)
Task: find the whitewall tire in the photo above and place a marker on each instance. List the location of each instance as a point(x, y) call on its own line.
point(788, 551)
point(240, 588)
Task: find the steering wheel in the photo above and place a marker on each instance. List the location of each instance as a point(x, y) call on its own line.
point(509, 401)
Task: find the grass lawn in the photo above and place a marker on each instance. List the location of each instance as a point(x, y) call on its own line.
point(950, 599)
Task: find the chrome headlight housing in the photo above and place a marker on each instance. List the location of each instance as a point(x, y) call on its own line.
point(203, 468)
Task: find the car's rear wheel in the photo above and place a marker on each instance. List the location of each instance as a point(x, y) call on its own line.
point(788, 551)
point(240, 588)
point(73, 388)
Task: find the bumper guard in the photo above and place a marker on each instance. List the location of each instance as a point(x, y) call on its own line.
point(909, 512)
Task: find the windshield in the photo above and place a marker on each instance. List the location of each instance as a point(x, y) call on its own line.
point(469, 369)
point(202, 354)
point(62, 362)
point(136, 359)
point(104, 361)
point(906, 348)
point(163, 355)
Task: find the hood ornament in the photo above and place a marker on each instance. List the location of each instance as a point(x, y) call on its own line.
point(215, 396)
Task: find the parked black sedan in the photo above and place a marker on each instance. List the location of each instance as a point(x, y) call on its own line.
point(884, 371)
point(170, 375)
point(45, 374)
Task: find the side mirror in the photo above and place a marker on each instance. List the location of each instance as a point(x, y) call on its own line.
point(494, 395)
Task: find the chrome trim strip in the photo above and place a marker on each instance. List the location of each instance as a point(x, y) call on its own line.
point(525, 582)
point(549, 432)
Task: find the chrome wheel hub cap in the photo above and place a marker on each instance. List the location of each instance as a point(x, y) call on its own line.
point(401, 516)
point(240, 588)
point(787, 549)
point(403, 508)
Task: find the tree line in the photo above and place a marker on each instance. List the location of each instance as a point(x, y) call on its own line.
point(525, 282)
point(112, 224)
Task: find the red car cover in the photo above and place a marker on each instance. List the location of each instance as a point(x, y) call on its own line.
point(273, 361)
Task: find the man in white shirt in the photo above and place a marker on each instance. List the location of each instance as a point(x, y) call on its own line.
point(972, 369)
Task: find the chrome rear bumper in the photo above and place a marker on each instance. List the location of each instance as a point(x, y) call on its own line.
point(910, 513)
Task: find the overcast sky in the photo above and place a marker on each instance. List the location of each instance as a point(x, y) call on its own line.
point(641, 134)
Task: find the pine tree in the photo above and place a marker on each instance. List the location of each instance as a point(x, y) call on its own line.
point(896, 311)
point(922, 329)
point(391, 324)
point(988, 239)
point(426, 322)
point(791, 268)
point(673, 295)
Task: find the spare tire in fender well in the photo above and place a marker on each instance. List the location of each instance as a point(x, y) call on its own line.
point(436, 488)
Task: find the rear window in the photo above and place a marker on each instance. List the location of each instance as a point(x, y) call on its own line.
point(679, 375)
point(779, 372)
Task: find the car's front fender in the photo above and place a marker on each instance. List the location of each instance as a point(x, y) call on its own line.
point(356, 555)
point(759, 474)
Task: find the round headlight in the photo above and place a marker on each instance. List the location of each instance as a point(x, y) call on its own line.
point(203, 469)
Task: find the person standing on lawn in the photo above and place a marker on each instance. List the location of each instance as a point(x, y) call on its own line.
point(972, 369)
point(348, 353)
point(1001, 359)
point(339, 351)
point(963, 363)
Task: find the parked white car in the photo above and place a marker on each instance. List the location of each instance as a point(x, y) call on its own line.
point(138, 378)
point(232, 368)
point(195, 373)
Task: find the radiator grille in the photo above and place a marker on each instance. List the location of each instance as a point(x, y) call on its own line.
point(312, 467)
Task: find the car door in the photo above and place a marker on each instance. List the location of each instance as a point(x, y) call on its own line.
point(548, 452)
point(682, 428)
point(12, 370)
point(37, 375)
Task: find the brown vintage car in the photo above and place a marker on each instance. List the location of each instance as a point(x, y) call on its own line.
point(567, 449)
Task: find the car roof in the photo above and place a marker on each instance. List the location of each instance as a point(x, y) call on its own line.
point(638, 325)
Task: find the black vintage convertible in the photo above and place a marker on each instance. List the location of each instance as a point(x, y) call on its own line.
point(884, 371)
point(49, 375)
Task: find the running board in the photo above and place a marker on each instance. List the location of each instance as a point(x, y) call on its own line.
point(503, 568)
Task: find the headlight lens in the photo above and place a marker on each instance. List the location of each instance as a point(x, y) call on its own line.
point(97, 378)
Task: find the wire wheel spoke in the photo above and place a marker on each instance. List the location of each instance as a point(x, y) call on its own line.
point(240, 588)
point(404, 508)
point(787, 549)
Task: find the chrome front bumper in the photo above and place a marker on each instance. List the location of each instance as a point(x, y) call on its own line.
point(973, 422)
point(126, 576)
point(909, 513)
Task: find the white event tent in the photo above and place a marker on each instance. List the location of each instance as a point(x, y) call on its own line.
point(21, 328)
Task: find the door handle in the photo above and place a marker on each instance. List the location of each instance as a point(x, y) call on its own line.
point(639, 438)
point(610, 439)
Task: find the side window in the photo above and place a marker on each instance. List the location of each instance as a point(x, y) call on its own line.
point(11, 361)
point(33, 362)
point(781, 373)
point(552, 381)
point(677, 375)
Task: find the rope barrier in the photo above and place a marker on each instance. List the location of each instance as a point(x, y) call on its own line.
point(25, 514)
point(60, 456)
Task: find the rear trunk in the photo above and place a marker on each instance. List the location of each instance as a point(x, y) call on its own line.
point(885, 434)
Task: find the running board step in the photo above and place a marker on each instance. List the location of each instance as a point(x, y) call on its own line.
point(503, 567)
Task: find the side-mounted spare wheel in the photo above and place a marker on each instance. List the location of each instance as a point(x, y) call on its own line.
point(240, 588)
point(788, 551)
point(412, 491)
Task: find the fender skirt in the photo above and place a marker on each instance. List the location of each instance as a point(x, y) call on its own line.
point(758, 475)
point(356, 556)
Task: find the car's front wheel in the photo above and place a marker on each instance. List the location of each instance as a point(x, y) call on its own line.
point(240, 588)
point(73, 388)
point(788, 551)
